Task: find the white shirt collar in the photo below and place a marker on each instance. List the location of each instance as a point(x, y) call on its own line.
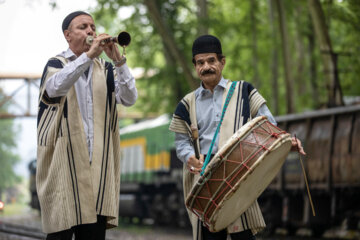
point(222, 84)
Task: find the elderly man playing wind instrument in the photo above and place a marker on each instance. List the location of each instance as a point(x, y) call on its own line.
point(78, 174)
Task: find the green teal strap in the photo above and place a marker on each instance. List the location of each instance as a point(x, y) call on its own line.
point(228, 97)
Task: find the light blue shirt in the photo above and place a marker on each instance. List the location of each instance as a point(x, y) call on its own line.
point(208, 114)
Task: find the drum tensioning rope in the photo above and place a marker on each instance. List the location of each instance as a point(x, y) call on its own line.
point(227, 182)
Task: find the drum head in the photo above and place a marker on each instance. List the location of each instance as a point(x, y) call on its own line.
point(250, 187)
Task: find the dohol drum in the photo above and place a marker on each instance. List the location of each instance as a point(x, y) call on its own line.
point(239, 173)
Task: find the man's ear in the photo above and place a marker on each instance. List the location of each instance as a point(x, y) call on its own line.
point(67, 35)
point(223, 61)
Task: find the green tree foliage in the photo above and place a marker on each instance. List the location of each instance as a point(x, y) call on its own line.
point(249, 43)
point(8, 158)
point(161, 83)
point(344, 21)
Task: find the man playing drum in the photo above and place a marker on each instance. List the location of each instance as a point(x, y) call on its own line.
point(202, 109)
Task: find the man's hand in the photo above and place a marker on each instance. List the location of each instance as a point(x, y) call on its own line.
point(194, 165)
point(112, 51)
point(98, 46)
point(296, 146)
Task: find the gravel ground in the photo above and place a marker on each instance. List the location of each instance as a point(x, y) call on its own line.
point(149, 234)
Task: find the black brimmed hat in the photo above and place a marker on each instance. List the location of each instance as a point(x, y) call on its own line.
point(70, 17)
point(206, 44)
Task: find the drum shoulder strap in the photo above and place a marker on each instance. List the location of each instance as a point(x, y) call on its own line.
point(228, 97)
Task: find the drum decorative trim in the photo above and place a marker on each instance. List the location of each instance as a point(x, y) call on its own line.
point(239, 173)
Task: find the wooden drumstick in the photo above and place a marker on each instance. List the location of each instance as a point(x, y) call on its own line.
point(305, 178)
point(195, 136)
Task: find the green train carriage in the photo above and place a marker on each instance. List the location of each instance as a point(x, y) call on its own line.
point(151, 174)
point(145, 150)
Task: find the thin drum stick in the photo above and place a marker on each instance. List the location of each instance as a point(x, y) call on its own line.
point(305, 178)
point(195, 136)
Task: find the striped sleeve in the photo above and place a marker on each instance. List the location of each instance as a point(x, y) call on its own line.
point(49, 109)
point(52, 66)
point(256, 100)
point(180, 122)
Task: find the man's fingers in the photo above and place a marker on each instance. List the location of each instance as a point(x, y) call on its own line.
point(201, 159)
point(194, 165)
point(301, 151)
point(195, 170)
point(195, 162)
point(300, 147)
point(296, 146)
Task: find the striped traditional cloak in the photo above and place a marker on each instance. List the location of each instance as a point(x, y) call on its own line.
point(242, 107)
point(71, 190)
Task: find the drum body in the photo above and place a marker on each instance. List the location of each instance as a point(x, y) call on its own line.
point(239, 173)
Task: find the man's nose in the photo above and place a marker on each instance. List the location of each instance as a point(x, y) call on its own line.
point(89, 31)
point(206, 65)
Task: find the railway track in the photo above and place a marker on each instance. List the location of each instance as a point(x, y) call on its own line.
point(9, 231)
